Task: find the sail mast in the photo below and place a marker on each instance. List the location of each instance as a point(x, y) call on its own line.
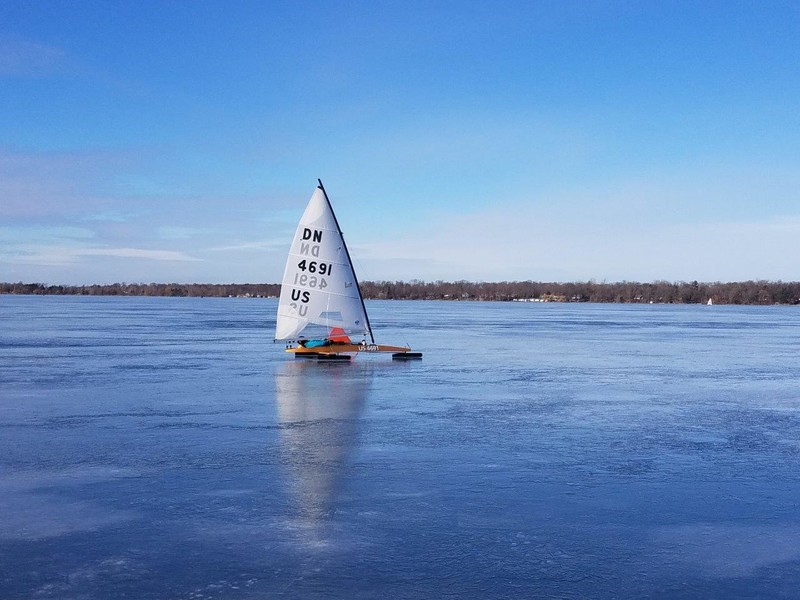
point(347, 253)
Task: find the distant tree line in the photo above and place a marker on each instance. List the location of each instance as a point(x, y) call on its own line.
point(255, 290)
point(660, 292)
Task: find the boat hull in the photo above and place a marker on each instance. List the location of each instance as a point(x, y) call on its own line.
point(347, 349)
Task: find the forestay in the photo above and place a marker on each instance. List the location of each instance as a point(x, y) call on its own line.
point(319, 285)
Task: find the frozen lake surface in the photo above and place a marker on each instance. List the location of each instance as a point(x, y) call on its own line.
point(166, 448)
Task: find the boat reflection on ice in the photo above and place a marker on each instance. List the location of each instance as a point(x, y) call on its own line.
point(318, 409)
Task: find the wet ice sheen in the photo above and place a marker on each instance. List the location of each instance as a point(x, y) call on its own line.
point(165, 448)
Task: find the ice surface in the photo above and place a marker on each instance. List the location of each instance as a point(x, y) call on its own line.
point(166, 448)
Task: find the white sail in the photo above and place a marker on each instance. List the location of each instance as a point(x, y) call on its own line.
point(319, 285)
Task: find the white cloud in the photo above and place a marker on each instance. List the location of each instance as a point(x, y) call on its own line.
point(24, 58)
point(55, 184)
point(137, 253)
point(696, 223)
point(30, 233)
point(110, 216)
point(69, 255)
point(494, 245)
point(170, 232)
point(268, 245)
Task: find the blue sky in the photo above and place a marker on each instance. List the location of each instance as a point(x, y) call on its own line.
point(561, 141)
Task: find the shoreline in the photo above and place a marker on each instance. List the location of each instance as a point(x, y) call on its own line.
point(762, 293)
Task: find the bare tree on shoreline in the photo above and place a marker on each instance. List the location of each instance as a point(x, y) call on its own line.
point(658, 292)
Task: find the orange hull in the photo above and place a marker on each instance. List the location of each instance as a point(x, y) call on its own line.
point(348, 349)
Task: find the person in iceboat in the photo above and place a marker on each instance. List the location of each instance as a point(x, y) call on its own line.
point(336, 336)
point(314, 343)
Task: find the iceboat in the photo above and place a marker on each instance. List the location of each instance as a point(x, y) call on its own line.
point(320, 293)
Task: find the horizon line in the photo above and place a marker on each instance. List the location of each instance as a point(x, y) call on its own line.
point(423, 281)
